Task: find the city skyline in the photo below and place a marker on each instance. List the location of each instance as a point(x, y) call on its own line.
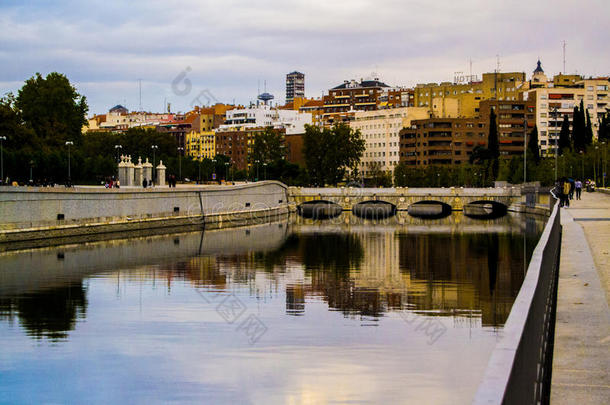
point(226, 51)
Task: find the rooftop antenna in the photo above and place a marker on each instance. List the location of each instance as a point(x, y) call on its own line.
point(496, 75)
point(470, 62)
point(140, 81)
point(564, 57)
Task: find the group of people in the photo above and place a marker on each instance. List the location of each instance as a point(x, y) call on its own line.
point(171, 181)
point(112, 183)
point(565, 189)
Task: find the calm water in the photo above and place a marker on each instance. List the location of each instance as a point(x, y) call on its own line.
point(290, 312)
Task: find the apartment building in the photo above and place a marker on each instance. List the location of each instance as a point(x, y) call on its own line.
point(345, 99)
point(380, 130)
point(448, 99)
point(295, 86)
point(237, 142)
point(450, 141)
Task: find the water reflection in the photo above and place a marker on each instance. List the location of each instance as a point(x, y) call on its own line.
point(48, 314)
point(341, 302)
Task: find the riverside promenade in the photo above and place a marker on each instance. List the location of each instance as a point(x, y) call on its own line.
point(581, 360)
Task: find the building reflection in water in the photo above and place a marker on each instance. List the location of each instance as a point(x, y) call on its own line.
point(361, 270)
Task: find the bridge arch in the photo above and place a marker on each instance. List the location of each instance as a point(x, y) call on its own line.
point(319, 209)
point(485, 209)
point(431, 209)
point(374, 209)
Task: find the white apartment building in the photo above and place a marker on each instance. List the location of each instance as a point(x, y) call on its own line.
point(552, 103)
point(266, 116)
point(380, 131)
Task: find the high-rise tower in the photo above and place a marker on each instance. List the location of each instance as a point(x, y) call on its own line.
point(295, 86)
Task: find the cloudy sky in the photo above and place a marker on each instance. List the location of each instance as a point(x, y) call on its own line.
point(199, 51)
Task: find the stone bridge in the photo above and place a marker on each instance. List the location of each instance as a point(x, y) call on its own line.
point(513, 198)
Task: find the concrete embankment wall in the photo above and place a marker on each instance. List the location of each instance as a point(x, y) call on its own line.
point(35, 213)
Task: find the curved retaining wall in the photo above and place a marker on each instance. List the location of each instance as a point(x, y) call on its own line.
point(519, 370)
point(36, 213)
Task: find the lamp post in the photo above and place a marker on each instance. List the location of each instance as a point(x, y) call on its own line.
point(117, 148)
point(556, 144)
point(525, 151)
point(582, 166)
point(214, 168)
point(199, 175)
point(69, 144)
point(2, 139)
point(257, 162)
point(31, 177)
point(605, 163)
point(595, 166)
point(226, 171)
point(154, 170)
point(265, 167)
point(180, 149)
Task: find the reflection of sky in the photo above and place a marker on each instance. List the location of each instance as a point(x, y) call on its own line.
point(143, 343)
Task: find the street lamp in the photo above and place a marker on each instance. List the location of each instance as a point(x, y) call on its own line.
point(582, 166)
point(2, 139)
point(556, 144)
point(525, 151)
point(214, 169)
point(199, 175)
point(117, 148)
point(257, 162)
point(595, 166)
point(226, 171)
point(265, 167)
point(31, 177)
point(69, 143)
point(180, 149)
point(154, 149)
point(605, 164)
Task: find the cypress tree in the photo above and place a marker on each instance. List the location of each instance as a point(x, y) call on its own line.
point(564, 136)
point(603, 135)
point(532, 145)
point(588, 130)
point(493, 145)
point(578, 129)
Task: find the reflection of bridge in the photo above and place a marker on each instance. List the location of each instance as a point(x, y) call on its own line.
point(513, 198)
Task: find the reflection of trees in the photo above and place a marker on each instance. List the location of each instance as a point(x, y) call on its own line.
point(50, 313)
point(472, 272)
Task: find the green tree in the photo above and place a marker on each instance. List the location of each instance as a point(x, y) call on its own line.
point(588, 130)
point(53, 108)
point(564, 136)
point(603, 135)
point(578, 128)
point(268, 147)
point(329, 152)
point(493, 145)
point(532, 145)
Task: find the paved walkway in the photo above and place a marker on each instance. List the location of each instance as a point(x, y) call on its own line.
point(581, 360)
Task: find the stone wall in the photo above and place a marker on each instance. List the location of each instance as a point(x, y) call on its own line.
point(51, 212)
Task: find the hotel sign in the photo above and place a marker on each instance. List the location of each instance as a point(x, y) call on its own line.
point(461, 78)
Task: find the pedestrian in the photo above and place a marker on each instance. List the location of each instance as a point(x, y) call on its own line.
point(578, 188)
point(144, 183)
point(566, 192)
point(117, 184)
point(572, 187)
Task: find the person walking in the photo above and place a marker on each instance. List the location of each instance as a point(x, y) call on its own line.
point(566, 192)
point(578, 188)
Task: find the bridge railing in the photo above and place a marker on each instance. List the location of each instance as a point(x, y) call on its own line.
point(519, 369)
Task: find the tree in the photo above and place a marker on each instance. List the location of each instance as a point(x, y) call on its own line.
point(564, 136)
point(578, 128)
point(492, 145)
point(532, 145)
point(588, 130)
point(52, 107)
point(268, 147)
point(603, 135)
point(329, 152)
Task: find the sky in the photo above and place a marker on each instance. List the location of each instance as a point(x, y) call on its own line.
point(198, 52)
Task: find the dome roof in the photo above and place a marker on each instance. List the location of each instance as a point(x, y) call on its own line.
point(538, 68)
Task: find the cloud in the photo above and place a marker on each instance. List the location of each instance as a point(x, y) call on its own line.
point(106, 46)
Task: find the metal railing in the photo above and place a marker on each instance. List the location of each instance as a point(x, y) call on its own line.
point(519, 370)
